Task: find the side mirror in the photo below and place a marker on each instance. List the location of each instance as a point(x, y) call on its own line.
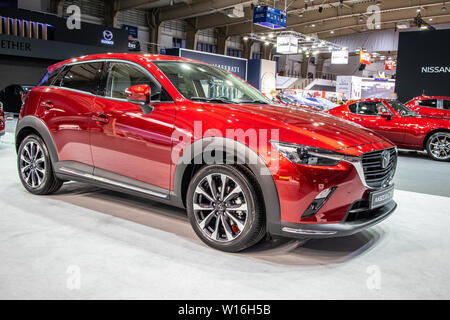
point(140, 95)
point(385, 114)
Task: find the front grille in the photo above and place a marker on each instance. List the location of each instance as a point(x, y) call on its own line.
point(375, 174)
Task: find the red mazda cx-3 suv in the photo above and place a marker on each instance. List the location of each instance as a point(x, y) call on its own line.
point(401, 125)
point(195, 136)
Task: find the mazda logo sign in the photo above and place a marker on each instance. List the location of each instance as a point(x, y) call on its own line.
point(385, 159)
point(107, 35)
point(107, 38)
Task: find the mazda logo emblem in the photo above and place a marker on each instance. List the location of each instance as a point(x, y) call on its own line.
point(107, 35)
point(385, 159)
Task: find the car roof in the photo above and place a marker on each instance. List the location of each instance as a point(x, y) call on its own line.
point(430, 97)
point(135, 57)
point(369, 100)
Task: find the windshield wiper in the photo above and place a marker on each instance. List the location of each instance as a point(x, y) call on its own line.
point(254, 101)
point(218, 100)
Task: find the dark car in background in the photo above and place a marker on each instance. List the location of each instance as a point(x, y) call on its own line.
point(11, 97)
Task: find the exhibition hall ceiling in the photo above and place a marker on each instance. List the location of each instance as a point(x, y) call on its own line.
point(325, 18)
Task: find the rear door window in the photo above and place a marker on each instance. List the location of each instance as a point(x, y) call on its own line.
point(83, 77)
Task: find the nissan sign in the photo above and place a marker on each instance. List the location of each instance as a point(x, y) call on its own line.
point(435, 69)
point(423, 65)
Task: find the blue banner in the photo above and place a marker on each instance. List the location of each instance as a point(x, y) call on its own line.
point(132, 30)
point(269, 17)
point(9, 4)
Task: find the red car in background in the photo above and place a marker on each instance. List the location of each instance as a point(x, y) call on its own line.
point(2, 120)
point(430, 106)
point(400, 124)
point(181, 132)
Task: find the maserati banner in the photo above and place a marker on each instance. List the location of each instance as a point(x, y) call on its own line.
point(238, 66)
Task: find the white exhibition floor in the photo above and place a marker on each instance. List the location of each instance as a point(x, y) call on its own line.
point(131, 248)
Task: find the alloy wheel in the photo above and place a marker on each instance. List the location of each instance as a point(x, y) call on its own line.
point(220, 207)
point(440, 146)
point(32, 164)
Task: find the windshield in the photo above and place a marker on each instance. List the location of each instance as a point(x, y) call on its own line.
point(201, 82)
point(286, 99)
point(403, 110)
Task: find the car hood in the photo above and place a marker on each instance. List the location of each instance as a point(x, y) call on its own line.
point(300, 125)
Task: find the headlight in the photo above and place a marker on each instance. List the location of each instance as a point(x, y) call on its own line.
point(311, 156)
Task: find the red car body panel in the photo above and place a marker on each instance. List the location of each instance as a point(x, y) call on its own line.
point(405, 132)
point(297, 185)
point(414, 105)
point(2, 122)
point(68, 117)
point(132, 144)
point(148, 147)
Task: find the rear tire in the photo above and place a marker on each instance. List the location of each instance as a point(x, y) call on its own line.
point(35, 167)
point(212, 208)
point(438, 146)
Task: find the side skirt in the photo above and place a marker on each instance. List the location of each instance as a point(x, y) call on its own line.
point(70, 170)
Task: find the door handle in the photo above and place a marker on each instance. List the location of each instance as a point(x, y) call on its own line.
point(46, 104)
point(357, 119)
point(100, 118)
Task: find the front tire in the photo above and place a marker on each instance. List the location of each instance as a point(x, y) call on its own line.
point(35, 167)
point(224, 207)
point(438, 146)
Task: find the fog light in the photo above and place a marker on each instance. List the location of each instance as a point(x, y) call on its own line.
point(318, 202)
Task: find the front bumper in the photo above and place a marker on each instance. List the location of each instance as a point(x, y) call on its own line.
point(355, 221)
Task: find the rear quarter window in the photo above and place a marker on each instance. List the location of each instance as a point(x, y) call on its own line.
point(353, 108)
point(49, 78)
